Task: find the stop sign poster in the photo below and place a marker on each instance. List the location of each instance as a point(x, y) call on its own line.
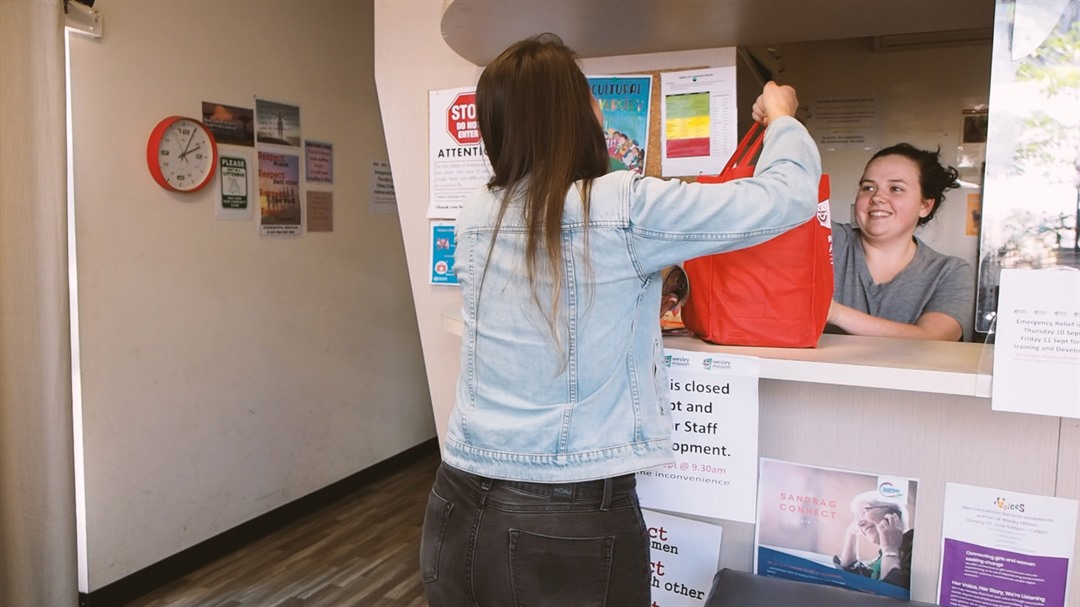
point(458, 162)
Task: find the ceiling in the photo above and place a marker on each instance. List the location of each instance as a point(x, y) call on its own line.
point(479, 30)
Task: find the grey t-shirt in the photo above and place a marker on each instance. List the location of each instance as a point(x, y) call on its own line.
point(932, 282)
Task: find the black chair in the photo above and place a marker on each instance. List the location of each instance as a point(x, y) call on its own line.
point(733, 588)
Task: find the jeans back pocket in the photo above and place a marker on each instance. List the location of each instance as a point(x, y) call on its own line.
point(436, 517)
point(564, 571)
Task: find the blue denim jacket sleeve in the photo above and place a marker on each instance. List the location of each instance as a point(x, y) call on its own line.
point(712, 218)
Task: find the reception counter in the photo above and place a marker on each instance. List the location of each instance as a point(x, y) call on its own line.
point(918, 409)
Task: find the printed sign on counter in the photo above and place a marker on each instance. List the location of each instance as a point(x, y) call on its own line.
point(684, 557)
point(1004, 549)
point(836, 527)
point(714, 408)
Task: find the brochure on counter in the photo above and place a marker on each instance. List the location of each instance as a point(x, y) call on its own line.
point(836, 527)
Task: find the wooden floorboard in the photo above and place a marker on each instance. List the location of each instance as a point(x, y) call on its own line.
point(362, 550)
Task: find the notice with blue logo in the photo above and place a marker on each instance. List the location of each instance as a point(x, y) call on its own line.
point(836, 527)
point(713, 399)
point(442, 255)
point(1005, 549)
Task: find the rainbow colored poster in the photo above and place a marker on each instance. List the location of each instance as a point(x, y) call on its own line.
point(699, 127)
point(686, 125)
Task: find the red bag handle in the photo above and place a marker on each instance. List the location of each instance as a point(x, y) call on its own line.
point(748, 148)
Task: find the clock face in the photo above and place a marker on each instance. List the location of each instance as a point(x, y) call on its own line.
point(181, 154)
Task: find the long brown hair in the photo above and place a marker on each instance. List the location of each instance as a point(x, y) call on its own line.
point(535, 110)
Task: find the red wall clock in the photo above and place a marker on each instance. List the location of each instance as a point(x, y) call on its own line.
point(181, 154)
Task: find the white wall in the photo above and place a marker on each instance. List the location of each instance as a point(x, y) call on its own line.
point(224, 375)
point(410, 60)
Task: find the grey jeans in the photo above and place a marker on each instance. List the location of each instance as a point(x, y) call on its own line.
point(493, 543)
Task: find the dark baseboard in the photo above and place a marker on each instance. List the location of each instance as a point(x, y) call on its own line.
point(182, 563)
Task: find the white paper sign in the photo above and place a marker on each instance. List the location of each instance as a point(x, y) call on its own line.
point(383, 195)
point(458, 162)
point(1004, 548)
point(698, 111)
point(684, 558)
point(714, 406)
point(1037, 348)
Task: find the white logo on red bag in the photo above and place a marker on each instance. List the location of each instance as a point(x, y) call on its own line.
point(823, 214)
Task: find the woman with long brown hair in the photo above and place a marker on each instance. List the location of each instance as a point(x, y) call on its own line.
point(562, 392)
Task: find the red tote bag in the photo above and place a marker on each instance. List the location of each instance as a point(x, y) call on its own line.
point(774, 294)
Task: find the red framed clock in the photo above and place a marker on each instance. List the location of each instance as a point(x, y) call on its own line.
point(181, 154)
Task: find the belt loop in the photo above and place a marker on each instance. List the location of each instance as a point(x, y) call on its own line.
point(605, 504)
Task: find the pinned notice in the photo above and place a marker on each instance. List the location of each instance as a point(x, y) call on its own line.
point(1037, 348)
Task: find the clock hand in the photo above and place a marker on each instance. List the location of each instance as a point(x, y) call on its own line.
point(190, 137)
point(183, 156)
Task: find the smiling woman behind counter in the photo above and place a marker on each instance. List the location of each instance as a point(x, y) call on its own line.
point(889, 283)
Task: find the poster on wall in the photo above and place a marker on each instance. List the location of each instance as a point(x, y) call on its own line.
point(698, 130)
point(383, 195)
point(1037, 346)
point(320, 211)
point(457, 161)
point(319, 162)
point(442, 254)
point(277, 123)
point(713, 399)
point(836, 527)
point(230, 125)
point(624, 103)
point(1031, 196)
point(971, 153)
point(234, 195)
point(1005, 549)
point(684, 556)
point(279, 194)
point(846, 123)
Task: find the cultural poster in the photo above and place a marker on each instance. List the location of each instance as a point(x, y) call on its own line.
point(1005, 549)
point(713, 400)
point(279, 194)
point(698, 133)
point(624, 103)
point(836, 527)
point(458, 164)
point(685, 554)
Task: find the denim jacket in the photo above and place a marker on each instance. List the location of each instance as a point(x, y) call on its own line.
point(578, 391)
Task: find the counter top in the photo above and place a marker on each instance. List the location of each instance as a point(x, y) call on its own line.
point(846, 360)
